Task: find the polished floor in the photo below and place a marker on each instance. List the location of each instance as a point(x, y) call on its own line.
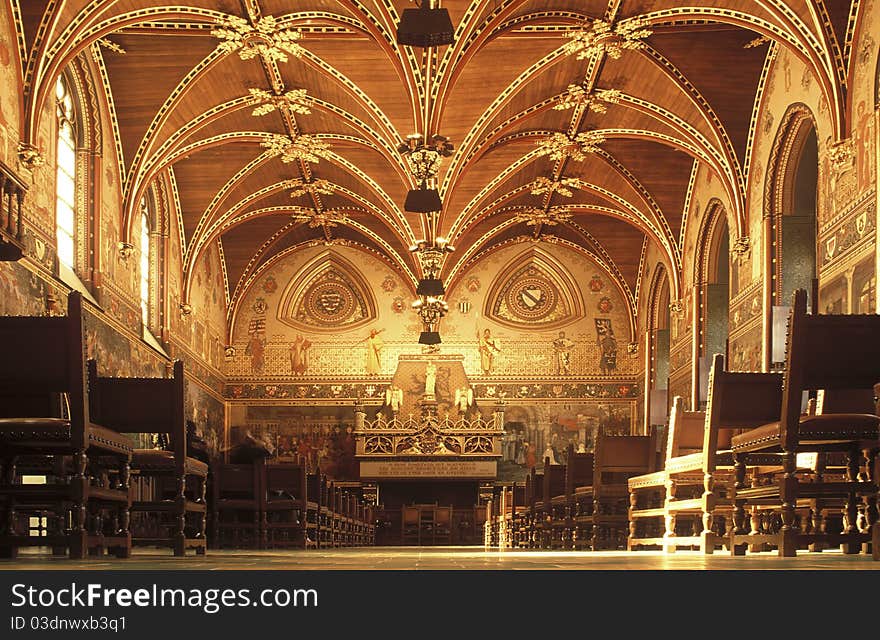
point(445, 558)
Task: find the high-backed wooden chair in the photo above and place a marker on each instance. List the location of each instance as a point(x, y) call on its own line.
point(534, 507)
point(579, 489)
point(178, 483)
point(553, 505)
point(841, 356)
point(602, 506)
point(313, 508)
point(647, 492)
point(699, 484)
point(284, 505)
point(617, 458)
point(236, 498)
point(45, 423)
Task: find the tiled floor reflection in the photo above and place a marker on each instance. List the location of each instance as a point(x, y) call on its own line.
point(474, 558)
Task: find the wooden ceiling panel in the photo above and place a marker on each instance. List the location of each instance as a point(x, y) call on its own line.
point(723, 69)
point(394, 90)
point(370, 69)
point(622, 241)
point(228, 80)
point(639, 76)
point(203, 174)
point(241, 243)
point(283, 7)
point(301, 74)
point(487, 76)
point(143, 78)
point(659, 169)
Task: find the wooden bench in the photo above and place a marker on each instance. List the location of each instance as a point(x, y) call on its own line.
point(178, 482)
point(46, 427)
point(840, 356)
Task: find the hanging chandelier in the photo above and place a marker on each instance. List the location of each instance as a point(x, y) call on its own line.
point(424, 159)
point(431, 310)
point(431, 257)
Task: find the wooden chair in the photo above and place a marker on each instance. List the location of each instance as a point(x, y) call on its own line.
point(284, 506)
point(313, 509)
point(45, 423)
point(579, 489)
point(178, 482)
point(533, 523)
point(236, 498)
point(553, 505)
point(841, 356)
point(647, 492)
point(602, 516)
point(699, 484)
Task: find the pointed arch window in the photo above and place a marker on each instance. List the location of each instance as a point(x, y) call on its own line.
point(146, 252)
point(65, 186)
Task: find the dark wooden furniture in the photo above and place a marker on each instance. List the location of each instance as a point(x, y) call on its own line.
point(236, 497)
point(532, 522)
point(426, 525)
point(283, 507)
point(601, 518)
point(46, 427)
point(839, 355)
point(173, 485)
point(554, 505)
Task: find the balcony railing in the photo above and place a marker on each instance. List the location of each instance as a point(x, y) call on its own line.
point(12, 192)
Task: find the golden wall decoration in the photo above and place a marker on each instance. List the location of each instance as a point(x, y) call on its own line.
point(326, 294)
point(535, 291)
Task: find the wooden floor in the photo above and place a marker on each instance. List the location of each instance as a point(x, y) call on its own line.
point(444, 558)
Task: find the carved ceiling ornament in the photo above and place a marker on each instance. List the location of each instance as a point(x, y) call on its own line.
point(535, 291)
point(263, 38)
point(602, 37)
point(560, 145)
point(326, 294)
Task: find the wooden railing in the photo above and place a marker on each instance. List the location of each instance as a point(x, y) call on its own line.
point(12, 192)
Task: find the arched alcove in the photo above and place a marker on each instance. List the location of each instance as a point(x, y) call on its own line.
point(792, 199)
point(712, 296)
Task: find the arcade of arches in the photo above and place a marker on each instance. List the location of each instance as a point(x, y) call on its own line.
point(632, 187)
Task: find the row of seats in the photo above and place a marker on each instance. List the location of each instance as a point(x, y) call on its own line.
point(267, 506)
point(67, 458)
point(777, 461)
point(578, 505)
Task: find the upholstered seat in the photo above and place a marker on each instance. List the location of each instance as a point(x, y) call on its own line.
point(41, 432)
point(829, 428)
point(21, 431)
point(158, 460)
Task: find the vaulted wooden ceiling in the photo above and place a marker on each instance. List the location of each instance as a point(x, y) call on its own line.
point(684, 79)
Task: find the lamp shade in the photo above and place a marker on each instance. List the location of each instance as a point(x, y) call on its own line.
point(430, 287)
point(422, 201)
point(429, 337)
point(425, 27)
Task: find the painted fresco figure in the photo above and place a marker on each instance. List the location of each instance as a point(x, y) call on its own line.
point(299, 355)
point(489, 346)
point(562, 346)
point(374, 352)
point(256, 348)
point(608, 345)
